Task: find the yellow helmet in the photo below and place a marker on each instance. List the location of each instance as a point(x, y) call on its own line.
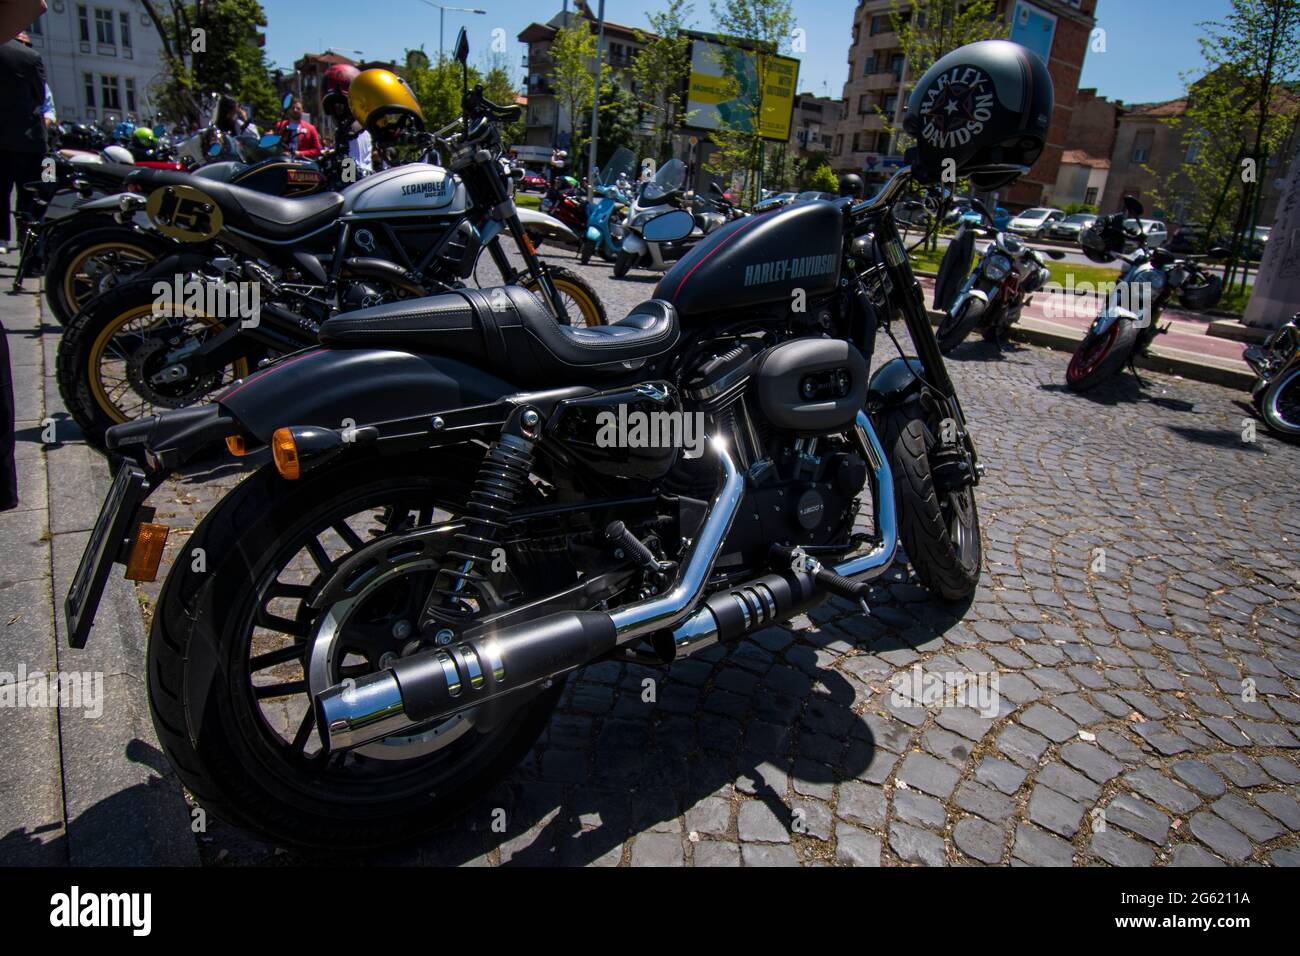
point(383, 103)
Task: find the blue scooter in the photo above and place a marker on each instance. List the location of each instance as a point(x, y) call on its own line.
point(611, 197)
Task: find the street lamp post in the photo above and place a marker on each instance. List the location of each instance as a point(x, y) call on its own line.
point(442, 13)
point(595, 105)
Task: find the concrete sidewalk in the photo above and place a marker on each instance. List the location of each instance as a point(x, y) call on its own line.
point(81, 785)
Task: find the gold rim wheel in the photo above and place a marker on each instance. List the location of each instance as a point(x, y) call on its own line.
point(110, 381)
point(78, 288)
point(578, 304)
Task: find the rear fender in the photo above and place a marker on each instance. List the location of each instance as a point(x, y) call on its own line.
point(329, 388)
point(336, 388)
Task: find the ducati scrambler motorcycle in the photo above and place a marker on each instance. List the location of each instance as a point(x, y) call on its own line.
point(386, 612)
point(1276, 393)
point(405, 232)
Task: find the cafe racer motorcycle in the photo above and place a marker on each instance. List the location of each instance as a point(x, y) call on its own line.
point(386, 613)
point(404, 232)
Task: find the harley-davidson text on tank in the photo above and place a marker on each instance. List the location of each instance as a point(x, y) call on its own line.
point(780, 270)
point(957, 106)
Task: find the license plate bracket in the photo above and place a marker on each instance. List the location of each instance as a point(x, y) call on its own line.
point(118, 517)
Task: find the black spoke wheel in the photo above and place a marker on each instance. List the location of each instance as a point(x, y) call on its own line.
point(237, 650)
point(938, 529)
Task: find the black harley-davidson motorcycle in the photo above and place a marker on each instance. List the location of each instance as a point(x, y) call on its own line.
point(468, 500)
point(401, 233)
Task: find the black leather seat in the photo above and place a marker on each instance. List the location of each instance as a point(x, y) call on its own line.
point(508, 331)
point(270, 217)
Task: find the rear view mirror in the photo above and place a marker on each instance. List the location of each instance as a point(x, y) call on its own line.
point(1219, 252)
point(669, 227)
point(269, 141)
point(1134, 208)
point(287, 101)
point(462, 47)
point(1055, 254)
point(214, 149)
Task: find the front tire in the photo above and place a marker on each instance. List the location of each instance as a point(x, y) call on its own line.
point(1099, 357)
point(1279, 405)
point(581, 302)
point(623, 263)
point(939, 532)
point(956, 326)
point(584, 254)
point(229, 649)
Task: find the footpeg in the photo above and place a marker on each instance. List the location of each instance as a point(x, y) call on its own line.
point(633, 547)
point(824, 578)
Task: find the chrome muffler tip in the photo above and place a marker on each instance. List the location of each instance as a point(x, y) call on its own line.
point(361, 711)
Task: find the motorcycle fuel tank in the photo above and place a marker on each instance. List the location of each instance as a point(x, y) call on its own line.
point(758, 260)
point(414, 190)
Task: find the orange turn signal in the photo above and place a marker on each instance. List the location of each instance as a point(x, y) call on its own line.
point(285, 453)
point(238, 447)
point(146, 552)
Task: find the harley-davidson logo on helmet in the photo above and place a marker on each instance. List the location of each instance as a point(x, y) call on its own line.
point(956, 107)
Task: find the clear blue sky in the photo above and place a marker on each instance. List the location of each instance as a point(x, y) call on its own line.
point(1149, 42)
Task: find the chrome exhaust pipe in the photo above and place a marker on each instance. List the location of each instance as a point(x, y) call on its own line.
point(730, 614)
point(435, 684)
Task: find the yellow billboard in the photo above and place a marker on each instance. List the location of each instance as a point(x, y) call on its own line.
point(710, 102)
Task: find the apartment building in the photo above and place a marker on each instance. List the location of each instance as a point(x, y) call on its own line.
point(813, 125)
point(867, 139)
point(546, 122)
point(100, 58)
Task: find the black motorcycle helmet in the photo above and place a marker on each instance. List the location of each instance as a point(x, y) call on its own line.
point(851, 185)
point(1103, 238)
point(987, 107)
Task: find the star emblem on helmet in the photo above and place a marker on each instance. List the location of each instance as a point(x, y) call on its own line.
point(954, 106)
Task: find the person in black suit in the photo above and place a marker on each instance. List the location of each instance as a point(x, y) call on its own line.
point(22, 145)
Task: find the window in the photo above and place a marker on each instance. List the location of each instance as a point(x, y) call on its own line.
point(870, 66)
point(89, 79)
point(864, 104)
point(124, 21)
point(109, 98)
point(130, 93)
point(896, 65)
point(83, 24)
point(877, 24)
point(891, 104)
point(839, 143)
point(104, 27)
point(1090, 196)
point(857, 142)
point(1142, 145)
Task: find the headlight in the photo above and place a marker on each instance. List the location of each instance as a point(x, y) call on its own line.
point(1153, 277)
point(997, 267)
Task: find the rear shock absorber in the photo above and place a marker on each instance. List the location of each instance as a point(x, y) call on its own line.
point(502, 476)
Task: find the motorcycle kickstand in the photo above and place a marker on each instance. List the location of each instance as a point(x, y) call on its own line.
point(1132, 367)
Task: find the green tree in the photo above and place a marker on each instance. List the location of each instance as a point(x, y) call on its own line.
point(500, 88)
point(822, 178)
point(211, 45)
point(666, 53)
point(762, 27)
point(573, 61)
point(1239, 115)
point(618, 119)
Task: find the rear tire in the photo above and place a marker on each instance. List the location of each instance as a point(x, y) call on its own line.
point(241, 760)
point(67, 290)
point(623, 263)
point(1097, 359)
point(584, 254)
point(941, 535)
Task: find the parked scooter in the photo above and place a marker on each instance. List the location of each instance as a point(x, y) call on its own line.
point(1276, 393)
point(605, 218)
point(1127, 327)
point(654, 197)
point(1002, 283)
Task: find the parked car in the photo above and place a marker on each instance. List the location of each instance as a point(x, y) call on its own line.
point(1070, 227)
point(534, 181)
point(1155, 231)
point(1035, 222)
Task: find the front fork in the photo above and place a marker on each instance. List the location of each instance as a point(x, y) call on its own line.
point(912, 303)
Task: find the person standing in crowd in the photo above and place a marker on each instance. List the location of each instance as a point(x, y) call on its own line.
point(303, 139)
point(22, 145)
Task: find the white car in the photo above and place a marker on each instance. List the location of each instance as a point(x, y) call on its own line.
point(1034, 222)
point(1156, 232)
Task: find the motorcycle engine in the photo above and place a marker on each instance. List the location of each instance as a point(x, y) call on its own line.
point(803, 487)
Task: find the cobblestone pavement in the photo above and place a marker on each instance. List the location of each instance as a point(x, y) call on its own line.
point(1138, 606)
